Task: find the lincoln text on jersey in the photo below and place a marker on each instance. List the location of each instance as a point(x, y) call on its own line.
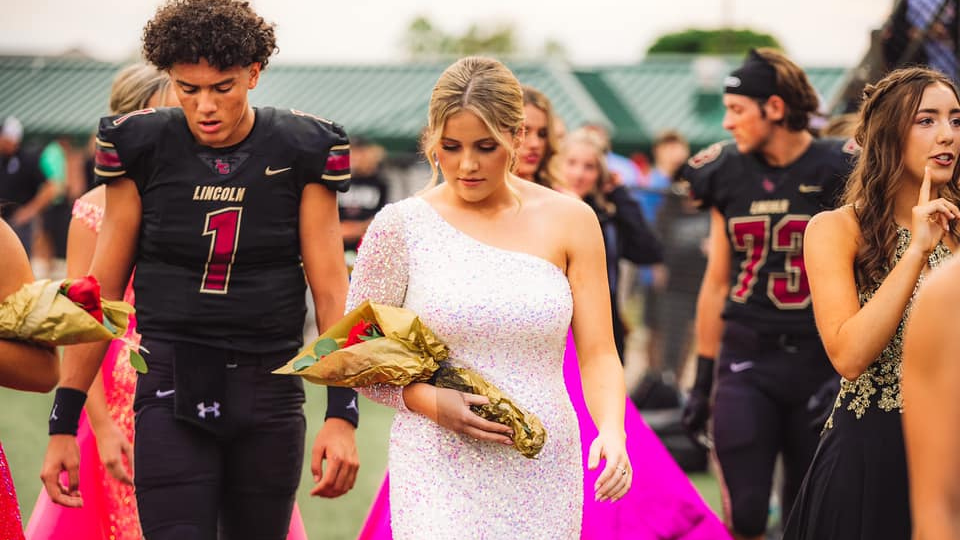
point(218, 193)
point(772, 206)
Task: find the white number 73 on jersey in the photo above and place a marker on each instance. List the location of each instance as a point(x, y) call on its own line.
point(788, 289)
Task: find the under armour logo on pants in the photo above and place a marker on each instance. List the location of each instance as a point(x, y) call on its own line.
point(202, 409)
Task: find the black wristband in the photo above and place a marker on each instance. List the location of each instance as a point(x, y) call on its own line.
point(342, 403)
point(65, 415)
point(704, 380)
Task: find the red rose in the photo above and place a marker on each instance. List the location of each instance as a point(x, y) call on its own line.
point(360, 330)
point(84, 292)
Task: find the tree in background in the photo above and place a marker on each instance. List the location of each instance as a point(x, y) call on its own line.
point(719, 41)
point(423, 40)
point(553, 48)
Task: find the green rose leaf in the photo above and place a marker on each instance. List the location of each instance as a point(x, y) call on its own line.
point(304, 363)
point(137, 361)
point(325, 347)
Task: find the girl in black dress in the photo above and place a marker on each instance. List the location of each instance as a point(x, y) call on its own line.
point(865, 262)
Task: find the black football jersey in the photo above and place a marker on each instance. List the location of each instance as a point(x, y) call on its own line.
point(218, 258)
point(766, 210)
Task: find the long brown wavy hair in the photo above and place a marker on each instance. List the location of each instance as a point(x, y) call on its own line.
point(886, 114)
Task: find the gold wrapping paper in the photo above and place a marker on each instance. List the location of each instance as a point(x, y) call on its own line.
point(408, 352)
point(37, 312)
point(529, 435)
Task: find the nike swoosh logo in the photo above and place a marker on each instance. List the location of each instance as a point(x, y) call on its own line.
point(804, 188)
point(165, 393)
point(737, 367)
point(270, 172)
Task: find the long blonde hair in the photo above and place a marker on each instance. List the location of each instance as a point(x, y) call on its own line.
point(593, 141)
point(133, 87)
point(486, 88)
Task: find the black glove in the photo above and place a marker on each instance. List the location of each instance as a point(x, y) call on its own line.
point(697, 410)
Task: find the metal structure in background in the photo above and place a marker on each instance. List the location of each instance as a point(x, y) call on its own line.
point(917, 32)
point(55, 96)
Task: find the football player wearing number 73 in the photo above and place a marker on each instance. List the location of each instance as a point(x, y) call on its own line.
point(754, 312)
point(227, 212)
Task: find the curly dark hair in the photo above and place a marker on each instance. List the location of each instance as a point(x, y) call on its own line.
point(226, 33)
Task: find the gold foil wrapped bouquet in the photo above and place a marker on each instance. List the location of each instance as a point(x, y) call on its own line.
point(380, 344)
point(63, 312)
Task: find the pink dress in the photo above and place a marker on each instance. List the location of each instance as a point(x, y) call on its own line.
point(11, 528)
point(661, 504)
point(109, 509)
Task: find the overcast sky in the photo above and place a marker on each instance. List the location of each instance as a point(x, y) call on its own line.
point(814, 32)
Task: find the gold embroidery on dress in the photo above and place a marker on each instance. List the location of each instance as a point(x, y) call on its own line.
point(881, 380)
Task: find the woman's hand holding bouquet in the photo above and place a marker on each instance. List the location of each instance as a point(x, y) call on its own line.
point(457, 411)
point(379, 344)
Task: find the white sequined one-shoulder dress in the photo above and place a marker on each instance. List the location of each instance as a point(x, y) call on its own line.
point(504, 314)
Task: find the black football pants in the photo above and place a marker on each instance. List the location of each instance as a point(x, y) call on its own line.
point(238, 483)
point(771, 394)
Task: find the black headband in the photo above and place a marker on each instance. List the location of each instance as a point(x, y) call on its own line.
point(755, 78)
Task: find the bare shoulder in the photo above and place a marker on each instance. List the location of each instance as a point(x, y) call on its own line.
point(838, 227)
point(10, 247)
point(561, 209)
point(16, 266)
point(842, 218)
point(942, 286)
point(932, 327)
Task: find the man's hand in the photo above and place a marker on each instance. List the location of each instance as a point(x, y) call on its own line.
point(336, 443)
point(63, 455)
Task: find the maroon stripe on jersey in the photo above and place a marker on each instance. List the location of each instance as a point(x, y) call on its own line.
point(338, 162)
point(108, 157)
